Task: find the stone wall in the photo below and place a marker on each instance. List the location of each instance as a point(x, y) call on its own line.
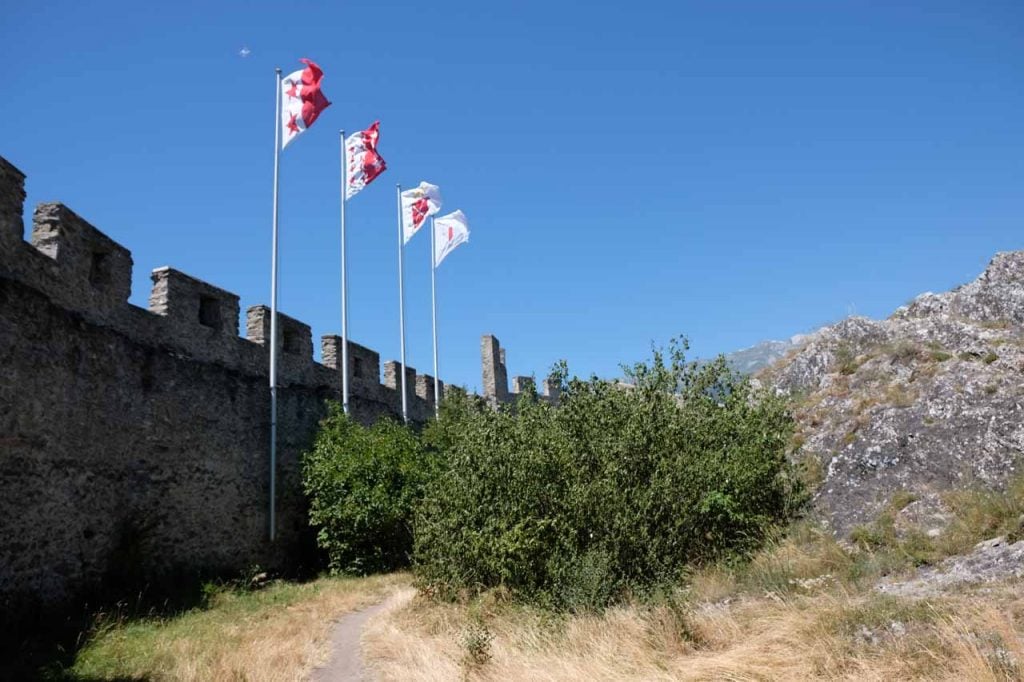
point(138, 438)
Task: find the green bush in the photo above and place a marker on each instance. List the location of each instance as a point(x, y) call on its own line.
point(613, 493)
point(363, 484)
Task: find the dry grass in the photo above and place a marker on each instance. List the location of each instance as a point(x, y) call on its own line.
point(804, 608)
point(831, 634)
point(277, 633)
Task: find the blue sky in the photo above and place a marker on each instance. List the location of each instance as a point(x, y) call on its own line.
point(732, 171)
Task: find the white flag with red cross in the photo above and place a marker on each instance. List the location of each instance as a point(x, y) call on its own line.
point(362, 162)
point(417, 205)
point(450, 231)
point(301, 101)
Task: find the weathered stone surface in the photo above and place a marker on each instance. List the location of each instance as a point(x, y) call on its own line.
point(425, 388)
point(12, 200)
point(929, 515)
point(495, 377)
point(522, 384)
point(930, 399)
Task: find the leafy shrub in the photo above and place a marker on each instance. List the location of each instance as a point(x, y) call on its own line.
point(363, 484)
point(611, 494)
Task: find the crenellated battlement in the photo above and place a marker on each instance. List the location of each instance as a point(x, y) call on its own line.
point(83, 270)
point(95, 270)
point(149, 428)
point(495, 377)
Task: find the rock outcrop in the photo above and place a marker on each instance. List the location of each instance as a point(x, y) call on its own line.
point(931, 398)
point(990, 561)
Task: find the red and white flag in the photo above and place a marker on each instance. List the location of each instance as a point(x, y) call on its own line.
point(417, 204)
point(449, 231)
point(301, 101)
point(362, 162)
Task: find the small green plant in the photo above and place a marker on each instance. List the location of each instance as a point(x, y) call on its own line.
point(811, 470)
point(939, 355)
point(880, 612)
point(476, 642)
point(980, 514)
point(901, 499)
point(846, 360)
point(989, 358)
point(903, 350)
point(900, 395)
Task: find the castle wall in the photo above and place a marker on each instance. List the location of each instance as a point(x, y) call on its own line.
point(134, 437)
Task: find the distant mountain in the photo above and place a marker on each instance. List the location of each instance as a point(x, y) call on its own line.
point(757, 357)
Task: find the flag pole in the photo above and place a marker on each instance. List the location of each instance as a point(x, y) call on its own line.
point(344, 281)
point(273, 313)
point(401, 304)
point(433, 313)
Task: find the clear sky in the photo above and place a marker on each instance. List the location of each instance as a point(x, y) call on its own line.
point(732, 171)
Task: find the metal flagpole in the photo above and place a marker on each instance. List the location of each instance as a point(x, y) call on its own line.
point(433, 313)
point(401, 304)
point(273, 314)
point(344, 282)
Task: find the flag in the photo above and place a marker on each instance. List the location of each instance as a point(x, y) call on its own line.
point(449, 232)
point(362, 162)
point(417, 204)
point(301, 101)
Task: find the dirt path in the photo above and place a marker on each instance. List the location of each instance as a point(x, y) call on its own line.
point(346, 663)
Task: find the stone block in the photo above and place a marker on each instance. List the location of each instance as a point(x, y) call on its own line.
point(495, 378)
point(552, 390)
point(96, 270)
point(363, 362)
point(195, 308)
point(521, 384)
point(294, 338)
point(425, 388)
point(12, 203)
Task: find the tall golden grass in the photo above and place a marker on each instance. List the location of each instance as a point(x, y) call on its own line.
point(827, 635)
point(803, 608)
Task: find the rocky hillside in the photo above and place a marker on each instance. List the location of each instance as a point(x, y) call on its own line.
point(924, 401)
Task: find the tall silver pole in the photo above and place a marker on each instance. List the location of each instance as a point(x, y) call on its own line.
point(273, 315)
point(344, 282)
point(401, 304)
point(433, 314)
